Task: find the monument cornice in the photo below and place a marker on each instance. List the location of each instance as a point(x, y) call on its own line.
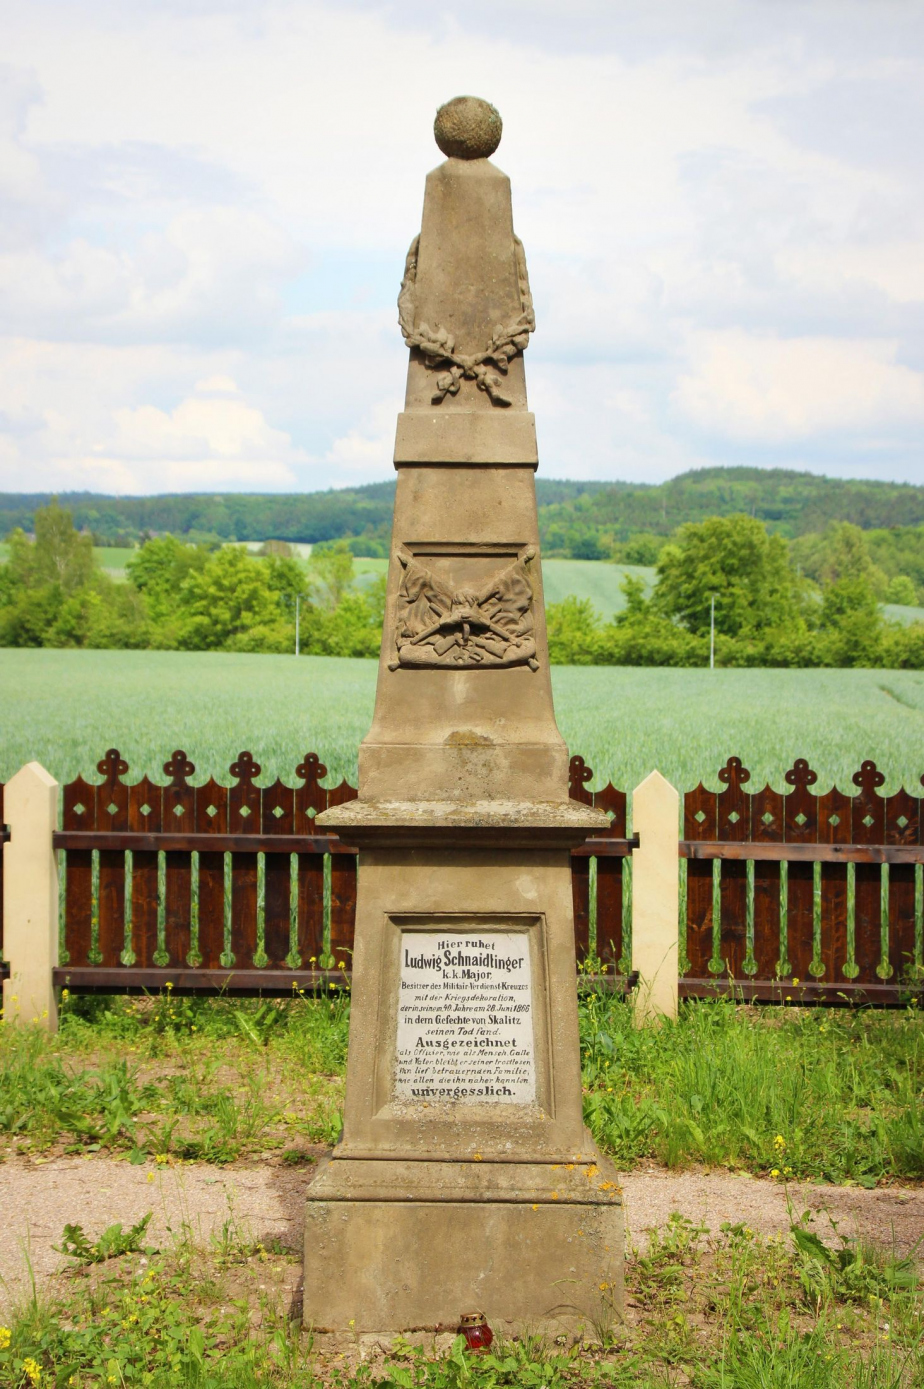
point(473, 824)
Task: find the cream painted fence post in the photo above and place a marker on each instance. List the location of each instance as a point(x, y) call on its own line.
point(655, 897)
point(30, 897)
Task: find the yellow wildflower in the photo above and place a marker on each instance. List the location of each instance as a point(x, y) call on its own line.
point(5, 1335)
point(32, 1369)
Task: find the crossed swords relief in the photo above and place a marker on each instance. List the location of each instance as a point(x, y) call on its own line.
point(491, 626)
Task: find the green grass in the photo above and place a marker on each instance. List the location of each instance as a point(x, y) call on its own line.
point(65, 708)
point(813, 1094)
point(111, 558)
point(818, 1095)
point(711, 1310)
point(594, 579)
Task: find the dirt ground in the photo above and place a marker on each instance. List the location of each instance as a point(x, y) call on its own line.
point(264, 1202)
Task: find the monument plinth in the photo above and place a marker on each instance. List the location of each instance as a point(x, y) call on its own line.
point(464, 1179)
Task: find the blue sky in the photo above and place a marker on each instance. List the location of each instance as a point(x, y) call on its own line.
point(205, 206)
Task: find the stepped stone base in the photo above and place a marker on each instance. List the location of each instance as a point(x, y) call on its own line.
point(393, 1245)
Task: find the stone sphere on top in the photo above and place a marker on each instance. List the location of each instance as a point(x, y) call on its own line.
point(468, 128)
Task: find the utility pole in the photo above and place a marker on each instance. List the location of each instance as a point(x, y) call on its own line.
point(711, 634)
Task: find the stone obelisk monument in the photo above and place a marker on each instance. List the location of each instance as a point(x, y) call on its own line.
point(464, 1180)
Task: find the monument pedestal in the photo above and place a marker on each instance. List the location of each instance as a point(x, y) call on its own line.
point(393, 1245)
point(465, 1179)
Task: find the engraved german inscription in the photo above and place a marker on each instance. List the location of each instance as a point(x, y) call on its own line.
point(465, 1018)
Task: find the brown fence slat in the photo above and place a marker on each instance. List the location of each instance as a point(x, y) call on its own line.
point(342, 907)
point(244, 818)
point(310, 909)
point(277, 817)
point(834, 827)
point(733, 824)
point(868, 827)
point(79, 814)
point(699, 822)
point(343, 872)
point(211, 819)
point(112, 811)
point(580, 897)
point(609, 910)
point(179, 816)
point(609, 915)
point(902, 826)
point(767, 825)
point(800, 810)
point(310, 800)
point(145, 806)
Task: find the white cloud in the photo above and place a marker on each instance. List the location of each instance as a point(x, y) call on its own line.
point(776, 389)
point(896, 268)
point(208, 435)
point(722, 207)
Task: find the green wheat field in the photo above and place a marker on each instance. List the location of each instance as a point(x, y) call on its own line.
point(65, 708)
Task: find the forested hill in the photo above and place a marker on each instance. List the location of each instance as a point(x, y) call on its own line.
point(585, 519)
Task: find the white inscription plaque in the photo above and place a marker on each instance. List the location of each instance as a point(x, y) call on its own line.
point(465, 1018)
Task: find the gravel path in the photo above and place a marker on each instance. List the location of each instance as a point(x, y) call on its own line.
point(37, 1198)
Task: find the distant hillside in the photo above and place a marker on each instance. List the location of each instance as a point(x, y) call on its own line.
point(583, 520)
point(308, 516)
point(789, 502)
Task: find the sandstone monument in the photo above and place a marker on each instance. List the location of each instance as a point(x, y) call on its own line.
point(465, 1180)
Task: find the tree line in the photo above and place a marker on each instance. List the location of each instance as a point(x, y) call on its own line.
point(183, 597)
point(762, 602)
point(813, 602)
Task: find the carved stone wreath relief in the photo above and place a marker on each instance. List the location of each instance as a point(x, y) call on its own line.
point(438, 346)
point(478, 623)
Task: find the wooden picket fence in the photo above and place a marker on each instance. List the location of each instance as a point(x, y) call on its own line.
point(813, 898)
point(795, 896)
